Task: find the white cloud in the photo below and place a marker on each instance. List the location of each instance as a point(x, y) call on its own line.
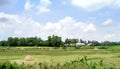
point(24, 26)
point(92, 5)
point(28, 6)
point(43, 6)
point(109, 36)
point(45, 2)
point(42, 9)
point(68, 27)
point(18, 26)
point(107, 22)
point(117, 4)
point(90, 27)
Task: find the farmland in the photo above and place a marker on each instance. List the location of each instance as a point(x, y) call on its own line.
point(52, 55)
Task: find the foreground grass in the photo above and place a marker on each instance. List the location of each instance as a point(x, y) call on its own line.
point(60, 56)
point(76, 64)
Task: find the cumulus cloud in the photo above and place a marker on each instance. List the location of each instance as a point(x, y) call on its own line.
point(28, 5)
point(23, 26)
point(68, 27)
point(4, 2)
point(109, 36)
point(92, 5)
point(117, 4)
point(42, 9)
point(45, 2)
point(18, 26)
point(107, 22)
point(43, 6)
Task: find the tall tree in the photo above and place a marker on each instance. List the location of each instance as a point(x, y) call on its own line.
point(54, 41)
point(11, 41)
point(3, 43)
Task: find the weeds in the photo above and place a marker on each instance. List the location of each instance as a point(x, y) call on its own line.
point(76, 64)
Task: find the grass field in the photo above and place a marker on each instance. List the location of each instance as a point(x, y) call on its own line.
point(110, 56)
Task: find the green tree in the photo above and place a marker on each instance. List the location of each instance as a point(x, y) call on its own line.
point(22, 42)
point(54, 41)
point(31, 41)
point(3, 43)
point(67, 41)
point(95, 43)
point(12, 41)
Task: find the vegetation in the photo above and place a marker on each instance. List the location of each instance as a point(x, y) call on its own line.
point(53, 53)
point(52, 41)
point(76, 64)
point(60, 58)
point(32, 41)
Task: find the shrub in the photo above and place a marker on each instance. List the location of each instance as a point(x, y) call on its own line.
point(8, 65)
point(102, 47)
point(87, 47)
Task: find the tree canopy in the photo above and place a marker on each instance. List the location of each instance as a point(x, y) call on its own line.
point(52, 41)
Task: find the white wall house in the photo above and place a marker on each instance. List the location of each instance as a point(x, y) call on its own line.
point(80, 44)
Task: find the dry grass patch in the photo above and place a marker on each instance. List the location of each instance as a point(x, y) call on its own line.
point(95, 48)
point(29, 58)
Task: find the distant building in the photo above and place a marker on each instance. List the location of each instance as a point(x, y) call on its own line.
point(77, 44)
point(69, 44)
point(89, 44)
point(80, 44)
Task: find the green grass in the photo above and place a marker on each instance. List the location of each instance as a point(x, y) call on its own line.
point(114, 48)
point(75, 64)
point(53, 56)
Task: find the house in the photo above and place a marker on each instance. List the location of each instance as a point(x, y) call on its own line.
point(80, 44)
point(77, 44)
point(89, 44)
point(69, 44)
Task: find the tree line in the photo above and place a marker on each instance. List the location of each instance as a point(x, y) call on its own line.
point(52, 41)
point(32, 41)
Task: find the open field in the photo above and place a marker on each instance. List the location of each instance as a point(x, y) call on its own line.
point(110, 56)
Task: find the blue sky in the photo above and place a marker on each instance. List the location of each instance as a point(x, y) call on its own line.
point(86, 19)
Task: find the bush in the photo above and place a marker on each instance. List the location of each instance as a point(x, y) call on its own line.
point(8, 65)
point(102, 47)
point(87, 47)
point(77, 47)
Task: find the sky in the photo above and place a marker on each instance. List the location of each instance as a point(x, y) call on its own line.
point(83, 19)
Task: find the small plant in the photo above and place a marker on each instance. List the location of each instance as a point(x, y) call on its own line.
point(8, 65)
point(84, 60)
